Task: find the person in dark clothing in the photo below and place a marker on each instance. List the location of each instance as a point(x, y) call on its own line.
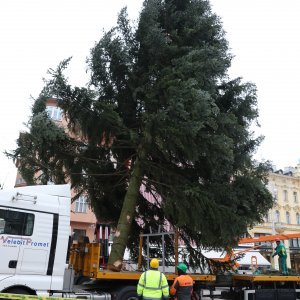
point(182, 287)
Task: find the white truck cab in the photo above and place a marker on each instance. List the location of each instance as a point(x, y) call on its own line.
point(34, 234)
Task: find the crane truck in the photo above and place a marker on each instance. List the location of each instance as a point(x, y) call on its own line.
point(34, 238)
point(34, 249)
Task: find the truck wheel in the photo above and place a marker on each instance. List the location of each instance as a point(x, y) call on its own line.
point(127, 293)
point(18, 290)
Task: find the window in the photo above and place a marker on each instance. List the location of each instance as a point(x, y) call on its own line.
point(285, 195)
point(20, 180)
point(288, 219)
point(54, 112)
point(298, 218)
point(267, 218)
point(295, 197)
point(260, 234)
point(77, 233)
point(81, 205)
point(277, 216)
point(294, 243)
point(16, 222)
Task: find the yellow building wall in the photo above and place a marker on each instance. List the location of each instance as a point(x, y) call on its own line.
point(285, 188)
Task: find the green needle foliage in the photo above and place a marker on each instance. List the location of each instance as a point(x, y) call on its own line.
point(160, 111)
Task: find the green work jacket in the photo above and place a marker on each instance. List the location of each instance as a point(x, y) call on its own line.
point(280, 250)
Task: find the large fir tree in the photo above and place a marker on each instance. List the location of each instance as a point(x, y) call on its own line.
point(160, 111)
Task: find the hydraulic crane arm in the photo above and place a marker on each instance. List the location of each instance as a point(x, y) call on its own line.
point(269, 238)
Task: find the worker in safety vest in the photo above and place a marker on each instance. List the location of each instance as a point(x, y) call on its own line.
point(281, 252)
point(182, 288)
point(153, 284)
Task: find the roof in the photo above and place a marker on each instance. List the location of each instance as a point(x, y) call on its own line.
point(42, 198)
point(245, 260)
point(62, 190)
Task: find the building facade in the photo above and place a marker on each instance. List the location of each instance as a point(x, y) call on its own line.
point(83, 220)
point(284, 217)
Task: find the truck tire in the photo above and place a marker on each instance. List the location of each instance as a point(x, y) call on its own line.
point(18, 290)
point(127, 293)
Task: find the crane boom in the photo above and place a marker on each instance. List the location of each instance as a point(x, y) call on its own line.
point(269, 238)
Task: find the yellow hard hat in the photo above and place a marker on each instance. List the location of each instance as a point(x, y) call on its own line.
point(154, 263)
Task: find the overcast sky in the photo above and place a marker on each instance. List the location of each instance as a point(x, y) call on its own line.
point(263, 35)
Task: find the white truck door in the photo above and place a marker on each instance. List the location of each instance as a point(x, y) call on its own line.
point(35, 255)
point(11, 239)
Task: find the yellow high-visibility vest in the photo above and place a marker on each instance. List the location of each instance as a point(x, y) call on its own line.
point(153, 285)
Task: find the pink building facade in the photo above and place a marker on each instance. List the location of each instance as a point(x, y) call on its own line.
point(83, 220)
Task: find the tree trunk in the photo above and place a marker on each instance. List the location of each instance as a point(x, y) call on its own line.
point(127, 214)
